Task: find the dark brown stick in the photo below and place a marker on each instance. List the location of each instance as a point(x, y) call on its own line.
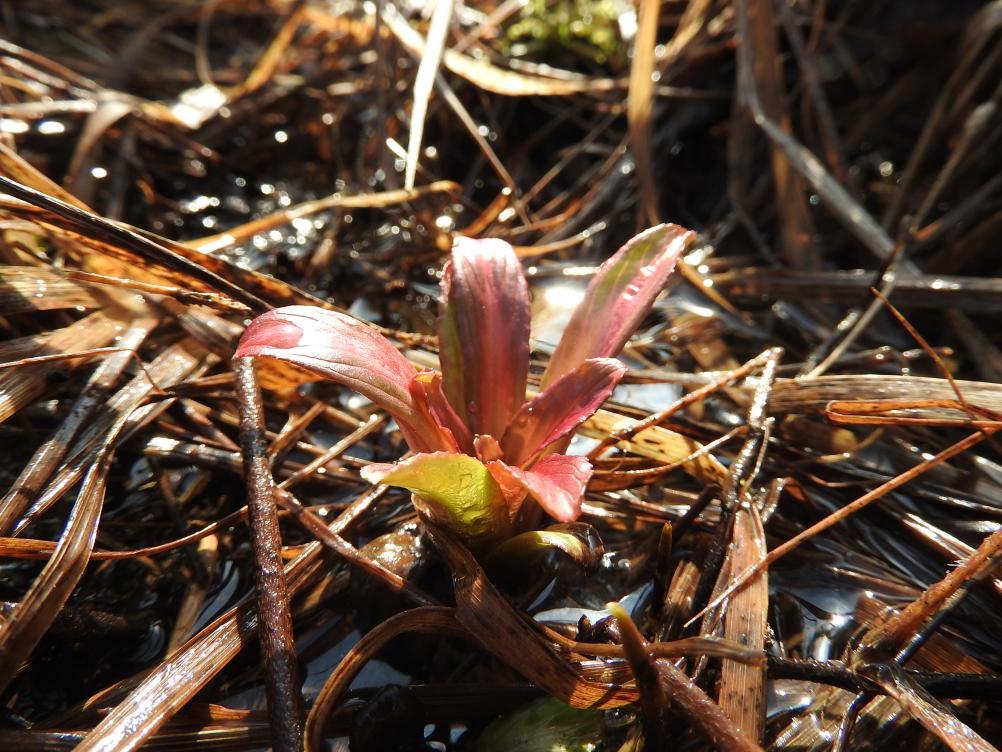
point(285, 702)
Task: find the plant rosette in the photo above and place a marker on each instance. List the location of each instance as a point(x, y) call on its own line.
point(486, 460)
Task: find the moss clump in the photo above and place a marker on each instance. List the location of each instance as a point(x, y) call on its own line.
point(569, 33)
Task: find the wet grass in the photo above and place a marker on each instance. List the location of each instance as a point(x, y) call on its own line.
point(169, 170)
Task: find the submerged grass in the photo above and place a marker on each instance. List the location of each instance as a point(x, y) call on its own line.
point(170, 169)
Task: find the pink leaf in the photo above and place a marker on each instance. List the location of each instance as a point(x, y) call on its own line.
point(557, 483)
point(560, 408)
point(484, 333)
point(338, 347)
point(618, 298)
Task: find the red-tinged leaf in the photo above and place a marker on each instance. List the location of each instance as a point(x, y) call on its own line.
point(484, 333)
point(338, 347)
point(618, 298)
point(453, 490)
point(560, 408)
point(512, 488)
point(426, 391)
point(557, 483)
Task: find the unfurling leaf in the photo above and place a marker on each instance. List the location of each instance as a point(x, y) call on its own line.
point(578, 540)
point(453, 490)
point(560, 408)
point(618, 298)
point(338, 347)
point(484, 333)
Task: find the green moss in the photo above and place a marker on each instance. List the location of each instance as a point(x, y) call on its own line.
point(568, 32)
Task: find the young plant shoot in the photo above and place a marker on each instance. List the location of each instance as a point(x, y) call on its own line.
point(484, 457)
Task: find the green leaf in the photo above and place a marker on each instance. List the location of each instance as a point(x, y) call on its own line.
point(453, 490)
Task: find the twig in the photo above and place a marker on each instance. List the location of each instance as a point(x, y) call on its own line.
point(277, 650)
point(627, 432)
point(318, 528)
point(887, 638)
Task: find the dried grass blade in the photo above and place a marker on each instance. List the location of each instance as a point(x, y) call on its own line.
point(426, 619)
point(197, 593)
point(749, 575)
point(742, 686)
point(17, 167)
point(926, 709)
point(185, 297)
point(813, 731)
point(639, 104)
point(913, 289)
point(430, 58)
point(26, 289)
point(853, 215)
point(675, 688)
point(214, 458)
point(166, 369)
point(37, 471)
point(640, 98)
point(905, 412)
point(109, 110)
point(471, 128)
point(99, 228)
point(809, 396)
point(21, 386)
point(120, 260)
point(490, 77)
point(978, 34)
point(884, 640)
point(268, 63)
point(21, 631)
point(760, 51)
point(178, 678)
point(493, 621)
point(658, 443)
point(247, 230)
point(169, 687)
point(22, 347)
